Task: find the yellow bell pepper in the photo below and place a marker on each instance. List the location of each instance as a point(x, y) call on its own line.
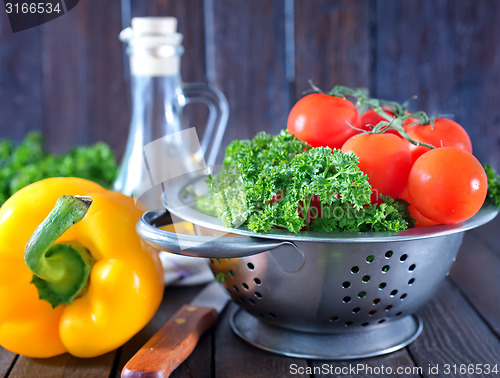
point(120, 283)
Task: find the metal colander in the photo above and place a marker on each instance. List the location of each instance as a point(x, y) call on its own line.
point(325, 296)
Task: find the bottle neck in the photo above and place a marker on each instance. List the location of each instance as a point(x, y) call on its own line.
point(157, 103)
point(149, 61)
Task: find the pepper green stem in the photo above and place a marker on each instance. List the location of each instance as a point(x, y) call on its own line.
point(60, 271)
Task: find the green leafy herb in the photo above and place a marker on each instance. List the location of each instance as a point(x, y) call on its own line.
point(279, 181)
point(493, 195)
point(220, 277)
point(27, 162)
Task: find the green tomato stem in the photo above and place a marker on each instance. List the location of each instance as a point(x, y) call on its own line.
point(60, 271)
point(396, 124)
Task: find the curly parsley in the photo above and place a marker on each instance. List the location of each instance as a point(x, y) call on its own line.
point(280, 182)
point(27, 162)
point(493, 194)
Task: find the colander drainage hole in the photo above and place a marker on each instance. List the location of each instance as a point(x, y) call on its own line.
point(251, 301)
point(346, 285)
point(241, 299)
point(346, 299)
point(356, 310)
point(365, 324)
point(370, 259)
point(398, 314)
point(393, 293)
point(257, 281)
point(403, 296)
point(362, 294)
point(381, 321)
point(348, 323)
point(231, 273)
point(411, 281)
point(258, 295)
point(355, 269)
point(235, 289)
point(376, 301)
point(334, 318)
point(244, 286)
point(372, 312)
point(366, 278)
point(412, 267)
point(382, 285)
point(229, 291)
point(387, 308)
point(403, 257)
point(385, 268)
point(389, 254)
point(250, 266)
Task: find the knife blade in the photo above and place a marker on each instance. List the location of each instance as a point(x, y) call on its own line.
point(176, 340)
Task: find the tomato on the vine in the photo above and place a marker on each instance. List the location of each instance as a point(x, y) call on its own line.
point(323, 120)
point(447, 185)
point(384, 158)
point(444, 133)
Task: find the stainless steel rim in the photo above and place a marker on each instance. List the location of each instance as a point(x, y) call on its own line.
point(180, 206)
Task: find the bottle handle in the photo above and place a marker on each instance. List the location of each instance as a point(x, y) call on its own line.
point(218, 108)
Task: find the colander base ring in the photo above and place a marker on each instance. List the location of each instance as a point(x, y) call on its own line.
point(360, 343)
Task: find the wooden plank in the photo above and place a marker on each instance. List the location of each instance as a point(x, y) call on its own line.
point(236, 358)
point(63, 366)
point(7, 358)
point(475, 272)
point(191, 24)
point(415, 54)
point(173, 299)
point(246, 59)
point(332, 44)
point(488, 235)
point(370, 367)
point(189, 14)
point(478, 59)
point(199, 363)
point(453, 334)
point(85, 94)
point(20, 81)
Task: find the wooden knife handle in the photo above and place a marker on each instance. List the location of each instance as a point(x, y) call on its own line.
point(172, 344)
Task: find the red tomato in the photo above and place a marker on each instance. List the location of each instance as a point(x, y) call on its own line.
point(444, 133)
point(420, 220)
point(384, 158)
point(447, 185)
point(323, 120)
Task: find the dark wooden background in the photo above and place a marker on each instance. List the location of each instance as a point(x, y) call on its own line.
point(69, 79)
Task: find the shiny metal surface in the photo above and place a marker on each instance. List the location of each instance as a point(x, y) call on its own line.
point(373, 341)
point(344, 285)
point(340, 287)
point(199, 245)
point(181, 204)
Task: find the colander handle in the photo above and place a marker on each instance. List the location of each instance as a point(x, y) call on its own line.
point(200, 246)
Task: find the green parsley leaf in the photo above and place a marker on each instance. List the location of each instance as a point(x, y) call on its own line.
point(281, 182)
point(493, 194)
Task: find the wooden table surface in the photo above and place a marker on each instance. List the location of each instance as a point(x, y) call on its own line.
point(461, 332)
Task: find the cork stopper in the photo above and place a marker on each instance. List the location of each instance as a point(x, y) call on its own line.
point(154, 25)
point(154, 46)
